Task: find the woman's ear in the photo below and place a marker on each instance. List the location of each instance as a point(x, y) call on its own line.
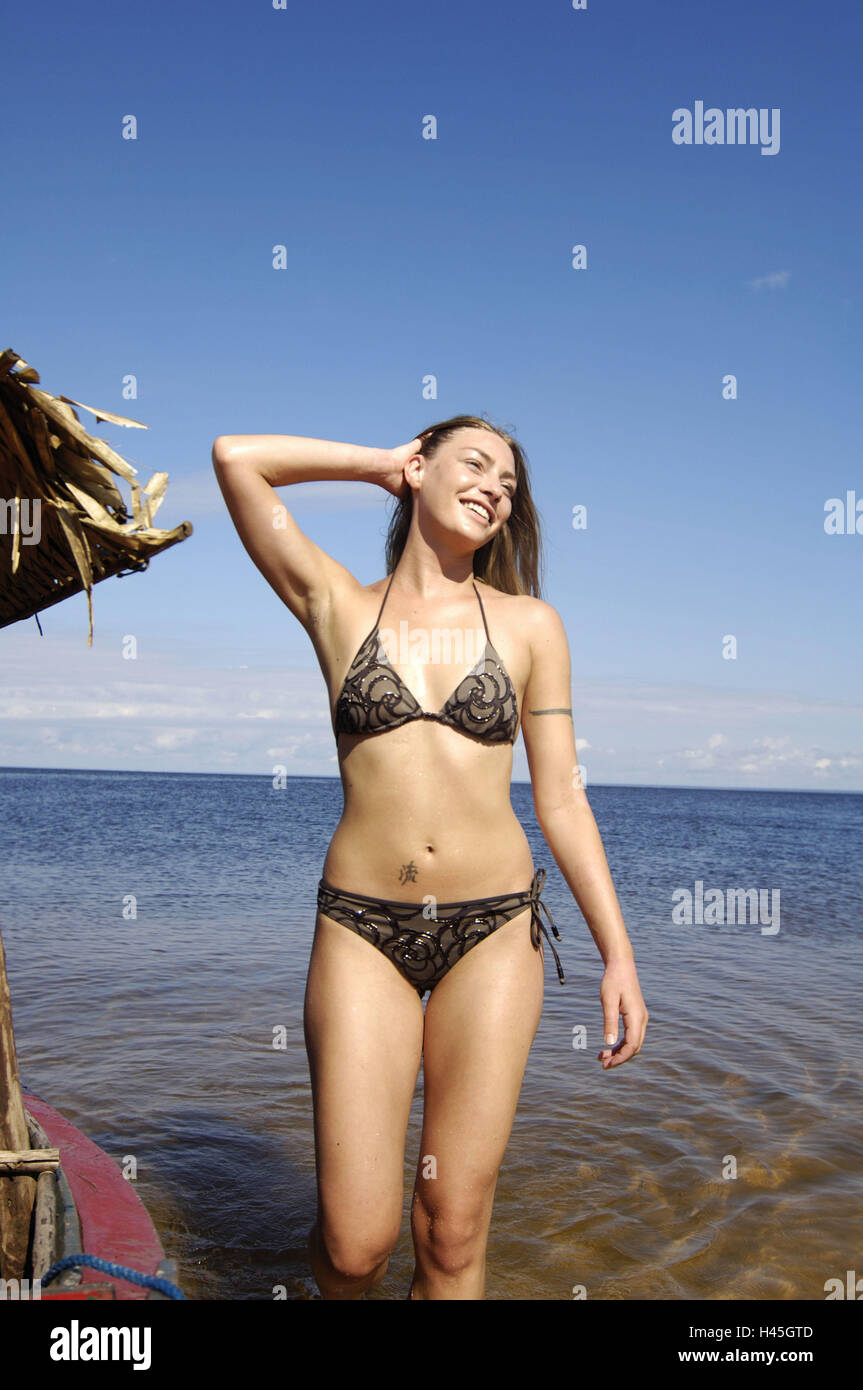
point(413, 471)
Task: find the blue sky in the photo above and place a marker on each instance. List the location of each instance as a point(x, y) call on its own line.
point(408, 257)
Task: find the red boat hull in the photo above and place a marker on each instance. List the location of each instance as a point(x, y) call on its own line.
point(114, 1222)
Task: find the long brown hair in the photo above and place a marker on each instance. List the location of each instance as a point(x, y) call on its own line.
point(511, 560)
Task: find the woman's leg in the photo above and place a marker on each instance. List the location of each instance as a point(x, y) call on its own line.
point(363, 1028)
point(480, 1022)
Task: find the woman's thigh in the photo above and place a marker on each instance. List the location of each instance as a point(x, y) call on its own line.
point(363, 1029)
point(480, 1023)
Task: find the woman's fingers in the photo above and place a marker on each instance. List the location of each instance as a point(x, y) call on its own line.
point(393, 475)
point(634, 1029)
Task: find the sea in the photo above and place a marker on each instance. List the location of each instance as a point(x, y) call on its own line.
point(157, 930)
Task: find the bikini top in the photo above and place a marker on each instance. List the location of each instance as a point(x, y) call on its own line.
point(374, 698)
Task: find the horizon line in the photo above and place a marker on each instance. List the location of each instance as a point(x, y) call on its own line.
point(325, 777)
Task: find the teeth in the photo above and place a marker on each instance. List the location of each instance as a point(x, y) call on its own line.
point(479, 511)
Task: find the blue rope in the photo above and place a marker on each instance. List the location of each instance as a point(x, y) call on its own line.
point(134, 1276)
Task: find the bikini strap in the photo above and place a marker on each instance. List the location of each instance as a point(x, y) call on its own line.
point(536, 922)
point(482, 611)
point(384, 599)
point(475, 589)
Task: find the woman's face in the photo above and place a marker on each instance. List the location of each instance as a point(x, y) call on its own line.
point(470, 482)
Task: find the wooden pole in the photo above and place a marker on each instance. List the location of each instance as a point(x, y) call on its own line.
point(29, 1161)
point(17, 1194)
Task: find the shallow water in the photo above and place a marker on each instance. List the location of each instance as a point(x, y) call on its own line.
point(722, 1163)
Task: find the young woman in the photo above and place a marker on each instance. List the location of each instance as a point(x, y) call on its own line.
point(428, 886)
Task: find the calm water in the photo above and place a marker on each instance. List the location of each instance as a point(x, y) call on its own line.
point(154, 1035)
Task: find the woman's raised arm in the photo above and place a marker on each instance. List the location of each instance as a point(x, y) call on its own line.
point(249, 467)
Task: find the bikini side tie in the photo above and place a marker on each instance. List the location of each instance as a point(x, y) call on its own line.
point(536, 922)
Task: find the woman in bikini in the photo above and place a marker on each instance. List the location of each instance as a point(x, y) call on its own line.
point(429, 869)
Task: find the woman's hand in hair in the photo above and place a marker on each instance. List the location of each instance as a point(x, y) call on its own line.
point(392, 474)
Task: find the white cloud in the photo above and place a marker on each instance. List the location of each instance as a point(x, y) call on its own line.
point(194, 495)
point(763, 756)
point(189, 496)
point(168, 712)
point(175, 738)
point(342, 494)
point(777, 280)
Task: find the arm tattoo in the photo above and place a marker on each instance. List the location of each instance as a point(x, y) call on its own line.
point(551, 711)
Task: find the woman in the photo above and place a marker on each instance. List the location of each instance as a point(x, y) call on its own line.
point(428, 869)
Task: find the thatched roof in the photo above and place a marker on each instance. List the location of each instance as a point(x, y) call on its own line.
point(64, 525)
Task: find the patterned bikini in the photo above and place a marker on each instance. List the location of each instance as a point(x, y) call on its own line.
point(423, 942)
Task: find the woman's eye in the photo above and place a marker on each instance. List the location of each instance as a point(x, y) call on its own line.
point(477, 464)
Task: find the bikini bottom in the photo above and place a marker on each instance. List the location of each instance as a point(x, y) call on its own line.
point(423, 942)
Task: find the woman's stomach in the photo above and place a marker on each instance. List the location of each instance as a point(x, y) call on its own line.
point(420, 825)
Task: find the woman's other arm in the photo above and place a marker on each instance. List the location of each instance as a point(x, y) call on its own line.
point(249, 467)
point(567, 823)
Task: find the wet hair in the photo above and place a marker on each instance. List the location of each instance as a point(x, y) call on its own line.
point(511, 560)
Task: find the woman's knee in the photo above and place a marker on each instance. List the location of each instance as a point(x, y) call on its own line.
point(451, 1235)
point(355, 1252)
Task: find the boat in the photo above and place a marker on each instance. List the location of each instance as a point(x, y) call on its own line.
point(88, 1206)
point(71, 1225)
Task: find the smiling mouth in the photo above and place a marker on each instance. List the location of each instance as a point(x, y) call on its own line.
point(477, 510)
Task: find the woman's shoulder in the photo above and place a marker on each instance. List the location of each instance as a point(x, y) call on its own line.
point(520, 607)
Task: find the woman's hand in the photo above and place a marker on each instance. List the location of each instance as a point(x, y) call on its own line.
point(392, 474)
point(620, 996)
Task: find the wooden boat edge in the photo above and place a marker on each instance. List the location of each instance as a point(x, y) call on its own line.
point(100, 1208)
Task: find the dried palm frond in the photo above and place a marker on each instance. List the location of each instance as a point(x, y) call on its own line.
point(64, 525)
